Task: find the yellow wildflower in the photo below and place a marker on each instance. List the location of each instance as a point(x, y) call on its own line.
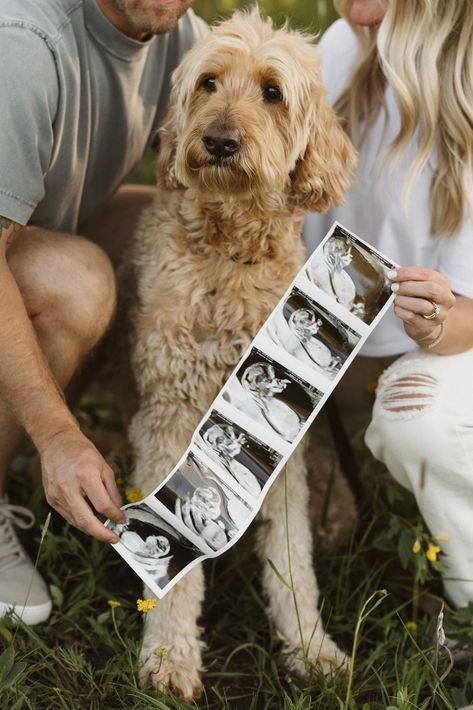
point(113, 603)
point(442, 538)
point(133, 495)
point(432, 553)
point(145, 605)
point(411, 625)
point(416, 547)
point(160, 652)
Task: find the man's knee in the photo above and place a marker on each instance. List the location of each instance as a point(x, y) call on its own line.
point(66, 282)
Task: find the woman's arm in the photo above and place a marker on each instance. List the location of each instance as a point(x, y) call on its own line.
point(417, 289)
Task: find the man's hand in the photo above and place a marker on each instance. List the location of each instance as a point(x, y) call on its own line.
point(416, 289)
point(73, 470)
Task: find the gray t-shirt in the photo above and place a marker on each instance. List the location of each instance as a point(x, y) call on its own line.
point(79, 103)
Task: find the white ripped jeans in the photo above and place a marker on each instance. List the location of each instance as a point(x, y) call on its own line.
point(422, 430)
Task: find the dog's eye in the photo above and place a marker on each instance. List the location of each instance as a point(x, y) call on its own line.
point(272, 93)
point(209, 84)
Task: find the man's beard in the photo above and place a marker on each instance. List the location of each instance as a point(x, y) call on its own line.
point(148, 17)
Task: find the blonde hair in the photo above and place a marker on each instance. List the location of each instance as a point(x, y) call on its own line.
point(424, 48)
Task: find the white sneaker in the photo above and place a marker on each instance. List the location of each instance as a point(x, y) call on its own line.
point(22, 589)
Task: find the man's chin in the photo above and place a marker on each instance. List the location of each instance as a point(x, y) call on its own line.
point(160, 26)
point(160, 20)
point(165, 24)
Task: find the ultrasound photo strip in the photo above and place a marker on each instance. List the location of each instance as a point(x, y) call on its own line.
point(309, 332)
point(352, 273)
point(243, 441)
point(247, 459)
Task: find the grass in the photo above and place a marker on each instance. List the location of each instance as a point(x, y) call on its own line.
point(314, 15)
point(76, 661)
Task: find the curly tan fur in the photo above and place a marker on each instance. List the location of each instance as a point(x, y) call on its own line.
point(210, 260)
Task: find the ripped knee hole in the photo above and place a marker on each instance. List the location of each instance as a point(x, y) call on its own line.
point(408, 393)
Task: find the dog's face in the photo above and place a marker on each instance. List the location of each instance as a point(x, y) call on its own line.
point(248, 116)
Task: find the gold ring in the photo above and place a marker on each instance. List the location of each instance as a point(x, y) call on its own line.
point(435, 313)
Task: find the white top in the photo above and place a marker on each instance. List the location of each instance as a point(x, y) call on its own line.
point(374, 209)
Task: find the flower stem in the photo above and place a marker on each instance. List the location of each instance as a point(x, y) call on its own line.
point(125, 646)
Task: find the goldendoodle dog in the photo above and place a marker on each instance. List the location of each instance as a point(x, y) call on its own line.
point(249, 143)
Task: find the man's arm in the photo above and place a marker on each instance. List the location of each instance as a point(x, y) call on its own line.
point(72, 468)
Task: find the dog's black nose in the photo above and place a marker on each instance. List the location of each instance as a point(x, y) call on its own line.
point(221, 143)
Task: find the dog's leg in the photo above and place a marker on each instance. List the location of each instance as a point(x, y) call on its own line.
point(172, 650)
point(294, 611)
point(332, 505)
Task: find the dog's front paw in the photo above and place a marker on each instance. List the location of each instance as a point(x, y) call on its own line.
point(167, 673)
point(324, 655)
point(329, 657)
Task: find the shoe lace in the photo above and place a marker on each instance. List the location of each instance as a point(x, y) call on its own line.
point(11, 551)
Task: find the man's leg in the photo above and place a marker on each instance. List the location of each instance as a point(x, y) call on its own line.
point(52, 271)
point(68, 287)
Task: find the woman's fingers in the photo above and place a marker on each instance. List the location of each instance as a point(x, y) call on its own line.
point(420, 306)
point(417, 289)
point(416, 273)
point(416, 326)
point(429, 290)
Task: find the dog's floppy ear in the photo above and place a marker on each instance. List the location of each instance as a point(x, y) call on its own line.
point(166, 142)
point(323, 173)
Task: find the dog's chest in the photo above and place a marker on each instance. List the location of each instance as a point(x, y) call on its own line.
point(206, 319)
point(230, 313)
point(235, 306)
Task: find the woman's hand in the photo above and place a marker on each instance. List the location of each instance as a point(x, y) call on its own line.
point(417, 289)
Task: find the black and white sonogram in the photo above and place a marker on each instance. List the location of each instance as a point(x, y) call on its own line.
point(272, 395)
point(155, 545)
point(352, 273)
point(203, 503)
point(246, 458)
point(313, 335)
